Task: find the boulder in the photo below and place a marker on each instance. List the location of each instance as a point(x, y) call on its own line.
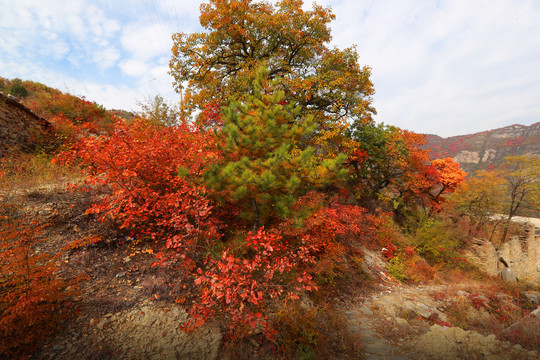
point(508, 275)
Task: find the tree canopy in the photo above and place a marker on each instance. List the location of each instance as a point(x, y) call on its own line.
point(220, 64)
point(262, 167)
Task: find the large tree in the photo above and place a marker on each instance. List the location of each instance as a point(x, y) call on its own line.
point(220, 64)
point(479, 199)
point(382, 162)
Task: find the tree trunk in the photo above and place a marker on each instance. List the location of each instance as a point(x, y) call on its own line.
point(255, 215)
point(514, 205)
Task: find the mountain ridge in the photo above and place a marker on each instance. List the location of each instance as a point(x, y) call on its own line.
point(486, 149)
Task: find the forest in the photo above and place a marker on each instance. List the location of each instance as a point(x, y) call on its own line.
point(261, 192)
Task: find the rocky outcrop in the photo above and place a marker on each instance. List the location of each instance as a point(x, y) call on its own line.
point(455, 343)
point(521, 255)
point(19, 126)
point(146, 331)
point(485, 149)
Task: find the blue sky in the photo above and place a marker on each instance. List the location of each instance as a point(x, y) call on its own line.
point(443, 67)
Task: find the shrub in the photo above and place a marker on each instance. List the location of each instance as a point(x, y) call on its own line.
point(438, 241)
point(31, 294)
point(408, 266)
point(332, 233)
point(151, 174)
point(241, 287)
point(17, 89)
point(315, 333)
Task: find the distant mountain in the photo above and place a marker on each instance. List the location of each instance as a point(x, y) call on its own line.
point(486, 149)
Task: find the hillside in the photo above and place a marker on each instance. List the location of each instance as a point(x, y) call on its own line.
point(488, 148)
point(18, 126)
point(126, 309)
point(266, 228)
point(99, 269)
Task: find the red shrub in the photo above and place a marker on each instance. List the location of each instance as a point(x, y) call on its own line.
point(332, 233)
point(31, 294)
point(150, 172)
point(241, 287)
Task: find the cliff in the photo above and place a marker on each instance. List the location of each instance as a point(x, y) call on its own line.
point(488, 148)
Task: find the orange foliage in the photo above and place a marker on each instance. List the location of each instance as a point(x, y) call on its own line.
point(31, 293)
point(140, 163)
point(450, 174)
point(241, 287)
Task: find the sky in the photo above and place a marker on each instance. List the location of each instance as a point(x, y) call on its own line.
point(445, 67)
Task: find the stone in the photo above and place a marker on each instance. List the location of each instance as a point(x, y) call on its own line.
point(520, 254)
point(366, 310)
point(533, 297)
point(402, 321)
point(18, 124)
point(456, 343)
point(58, 347)
point(508, 275)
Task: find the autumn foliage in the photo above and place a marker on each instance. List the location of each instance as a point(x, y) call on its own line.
point(271, 191)
point(31, 293)
point(140, 164)
point(269, 194)
point(242, 286)
point(331, 232)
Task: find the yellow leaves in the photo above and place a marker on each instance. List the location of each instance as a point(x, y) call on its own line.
point(243, 34)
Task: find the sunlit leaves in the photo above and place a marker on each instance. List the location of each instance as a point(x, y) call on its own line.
point(150, 171)
point(241, 287)
point(31, 291)
point(220, 64)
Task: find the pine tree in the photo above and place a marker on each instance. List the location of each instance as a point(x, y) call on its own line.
point(264, 167)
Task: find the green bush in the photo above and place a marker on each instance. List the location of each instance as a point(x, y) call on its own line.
point(439, 240)
point(397, 268)
point(17, 89)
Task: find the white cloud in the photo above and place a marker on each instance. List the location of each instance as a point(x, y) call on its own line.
point(447, 67)
point(106, 57)
point(134, 68)
point(146, 41)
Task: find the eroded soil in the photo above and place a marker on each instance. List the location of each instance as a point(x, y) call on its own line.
point(127, 309)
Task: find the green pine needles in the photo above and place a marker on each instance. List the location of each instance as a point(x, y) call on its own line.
point(265, 164)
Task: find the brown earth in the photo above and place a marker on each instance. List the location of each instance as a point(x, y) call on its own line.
point(129, 310)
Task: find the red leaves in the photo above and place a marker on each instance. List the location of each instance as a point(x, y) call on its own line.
point(30, 290)
point(441, 177)
point(241, 287)
point(330, 235)
point(140, 162)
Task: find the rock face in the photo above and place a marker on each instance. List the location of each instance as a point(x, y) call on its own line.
point(455, 343)
point(482, 150)
point(522, 256)
point(19, 126)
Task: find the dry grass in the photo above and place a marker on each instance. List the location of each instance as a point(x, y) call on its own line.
point(489, 305)
point(316, 333)
point(25, 172)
